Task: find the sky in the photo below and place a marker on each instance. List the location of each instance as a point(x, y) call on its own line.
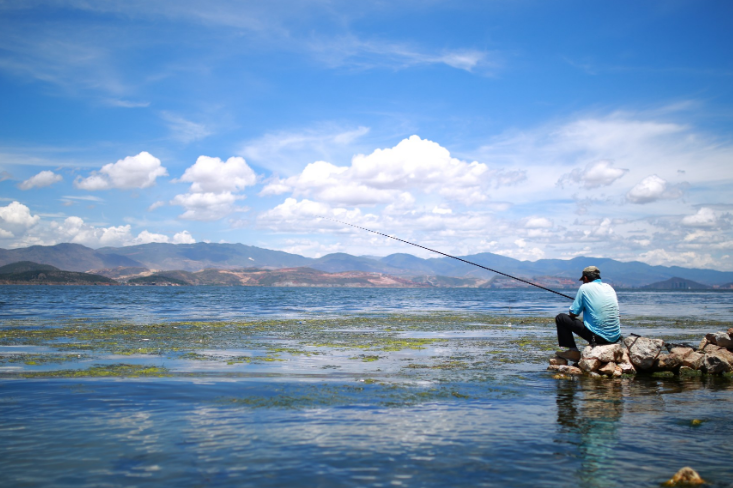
point(530, 129)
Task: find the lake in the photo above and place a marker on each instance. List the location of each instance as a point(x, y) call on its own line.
point(225, 386)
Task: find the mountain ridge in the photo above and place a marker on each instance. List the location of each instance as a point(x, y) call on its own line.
point(200, 256)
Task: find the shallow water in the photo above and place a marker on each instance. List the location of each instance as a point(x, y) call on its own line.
point(340, 387)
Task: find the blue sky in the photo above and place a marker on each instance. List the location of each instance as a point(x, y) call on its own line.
point(530, 129)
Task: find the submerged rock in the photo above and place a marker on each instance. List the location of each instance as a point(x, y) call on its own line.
point(685, 477)
point(643, 351)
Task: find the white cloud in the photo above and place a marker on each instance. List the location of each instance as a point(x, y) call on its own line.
point(213, 175)
point(74, 229)
point(155, 205)
point(207, 206)
point(595, 175)
point(657, 257)
point(16, 218)
point(705, 217)
point(42, 179)
point(414, 164)
point(183, 237)
point(651, 189)
point(538, 223)
point(138, 171)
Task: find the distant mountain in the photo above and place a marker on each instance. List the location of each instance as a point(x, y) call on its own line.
point(194, 257)
point(200, 256)
point(676, 284)
point(71, 257)
point(30, 273)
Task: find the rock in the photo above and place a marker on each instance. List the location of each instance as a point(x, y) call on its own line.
point(643, 351)
point(730, 332)
point(668, 362)
point(558, 362)
point(716, 361)
point(710, 338)
point(710, 347)
point(682, 352)
point(608, 369)
point(627, 368)
point(554, 367)
point(723, 339)
point(617, 372)
point(573, 370)
point(589, 364)
point(704, 342)
point(693, 360)
point(685, 477)
point(605, 354)
point(594, 374)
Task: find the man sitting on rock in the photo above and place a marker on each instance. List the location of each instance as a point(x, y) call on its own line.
point(600, 325)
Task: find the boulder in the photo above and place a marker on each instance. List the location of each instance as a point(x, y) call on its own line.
point(589, 364)
point(608, 369)
point(685, 477)
point(605, 354)
point(716, 361)
point(704, 342)
point(618, 371)
point(730, 332)
point(723, 339)
point(710, 339)
point(558, 362)
point(554, 367)
point(668, 362)
point(693, 360)
point(569, 370)
point(643, 351)
point(681, 351)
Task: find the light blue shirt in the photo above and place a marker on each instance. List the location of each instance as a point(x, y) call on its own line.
point(598, 303)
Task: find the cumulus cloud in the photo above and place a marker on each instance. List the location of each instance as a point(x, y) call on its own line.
point(705, 217)
point(688, 259)
point(206, 206)
point(537, 223)
point(651, 189)
point(74, 229)
point(595, 175)
point(16, 218)
point(213, 175)
point(414, 164)
point(42, 179)
point(138, 171)
point(213, 185)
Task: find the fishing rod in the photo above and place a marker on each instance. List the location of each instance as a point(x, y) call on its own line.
point(450, 256)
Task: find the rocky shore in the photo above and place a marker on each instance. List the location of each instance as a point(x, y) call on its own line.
point(637, 354)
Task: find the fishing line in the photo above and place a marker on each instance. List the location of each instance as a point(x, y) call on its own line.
point(449, 256)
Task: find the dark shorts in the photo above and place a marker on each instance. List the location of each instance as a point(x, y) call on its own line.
point(567, 325)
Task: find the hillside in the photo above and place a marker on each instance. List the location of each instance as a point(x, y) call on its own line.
point(29, 273)
point(196, 257)
point(676, 283)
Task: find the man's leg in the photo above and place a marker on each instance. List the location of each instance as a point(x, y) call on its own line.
point(566, 326)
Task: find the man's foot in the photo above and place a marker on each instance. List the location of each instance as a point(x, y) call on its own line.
point(570, 355)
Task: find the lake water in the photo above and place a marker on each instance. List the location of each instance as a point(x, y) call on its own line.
point(210, 386)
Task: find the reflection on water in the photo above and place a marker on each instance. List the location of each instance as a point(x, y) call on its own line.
point(588, 418)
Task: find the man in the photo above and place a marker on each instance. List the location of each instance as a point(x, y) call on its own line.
point(600, 325)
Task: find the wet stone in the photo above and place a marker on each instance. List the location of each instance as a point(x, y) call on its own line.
point(643, 351)
point(571, 370)
point(608, 369)
point(723, 339)
point(685, 477)
point(558, 362)
point(589, 364)
point(716, 362)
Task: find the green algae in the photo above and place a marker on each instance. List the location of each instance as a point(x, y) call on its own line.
point(113, 370)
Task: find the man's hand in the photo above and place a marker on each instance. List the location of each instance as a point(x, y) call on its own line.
point(573, 316)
